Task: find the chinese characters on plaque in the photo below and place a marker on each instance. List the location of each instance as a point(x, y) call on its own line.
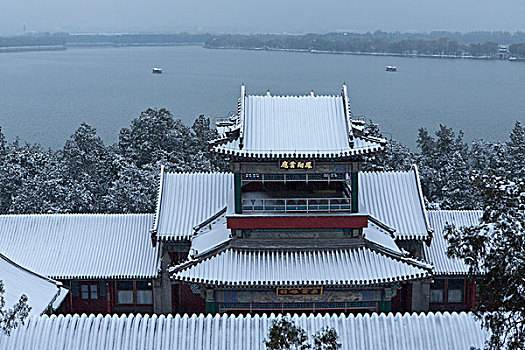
point(297, 164)
point(300, 291)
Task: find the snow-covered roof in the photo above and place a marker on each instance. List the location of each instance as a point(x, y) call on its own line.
point(187, 199)
point(42, 293)
point(66, 246)
point(443, 331)
point(301, 126)
point(210, 236)
point(395, 199)
point(380, 237)
point(437, 252)
point(352, 266)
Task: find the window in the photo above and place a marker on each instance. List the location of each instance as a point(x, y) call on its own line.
point(144, 293)
point(89, 291)
point(125, 292)
point(455, 291)
point(437, 292)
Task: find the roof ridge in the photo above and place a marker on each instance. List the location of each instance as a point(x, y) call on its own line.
point(296, 96)
point(198, 173)
point(454, 210)
point(75, 214)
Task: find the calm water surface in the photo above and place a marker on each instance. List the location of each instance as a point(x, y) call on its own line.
point(44, 96)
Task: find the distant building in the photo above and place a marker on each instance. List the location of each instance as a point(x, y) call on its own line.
point(503, 52)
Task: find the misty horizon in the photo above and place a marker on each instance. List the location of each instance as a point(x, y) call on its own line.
point(256, 17)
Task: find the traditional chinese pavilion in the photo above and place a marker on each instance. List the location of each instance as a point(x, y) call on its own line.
point(297, 226)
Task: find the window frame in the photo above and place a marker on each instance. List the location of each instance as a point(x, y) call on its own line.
point(91, 287)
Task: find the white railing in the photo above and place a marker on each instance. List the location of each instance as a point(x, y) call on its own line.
point(306, 205)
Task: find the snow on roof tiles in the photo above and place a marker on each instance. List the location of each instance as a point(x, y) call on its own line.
point(355, 266)
point(313, 126)
point(66, 246)
point(395, 199)
point(42, 292)
point(437, 252)
point(199, 332)
point(188, 199)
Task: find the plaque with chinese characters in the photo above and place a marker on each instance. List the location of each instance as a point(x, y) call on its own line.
point(300, 291)
point(296, 164)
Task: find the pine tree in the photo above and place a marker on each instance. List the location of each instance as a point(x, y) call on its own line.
point(516, 152)
point(88, 168)
point(12, 317)
point(284, 334)
point(495, 249)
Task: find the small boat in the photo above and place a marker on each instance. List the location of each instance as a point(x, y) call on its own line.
point(391, 68)
point(156, 71)
point(512, 59)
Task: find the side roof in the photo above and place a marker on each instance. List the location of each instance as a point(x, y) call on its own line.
point(395, 199)
point(42, 293)
point(199, 332)
point(186, 200)
point(436, 253)
point(313, 126)
point(67, 246)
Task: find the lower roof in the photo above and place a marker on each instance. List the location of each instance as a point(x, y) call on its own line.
point(358, 266)
point(42, 293)
point(436, 253)
point(377, 331)
point(395, 199)
point(81, 246)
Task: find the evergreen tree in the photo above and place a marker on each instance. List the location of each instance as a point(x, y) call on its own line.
point(156, 137)
point(33, 180)
point(202, 158)
point(445, 170)
point(12, 317)
point(89, 171)
point(396, 157)
point(516, 152)
point(134, 189)
point(286, 335)
point(495, 249)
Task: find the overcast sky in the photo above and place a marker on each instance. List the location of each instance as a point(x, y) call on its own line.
point(246, 16)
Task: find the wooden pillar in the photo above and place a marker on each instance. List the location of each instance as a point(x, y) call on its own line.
point(355, 191)
point(108, 298)
point(238, 193)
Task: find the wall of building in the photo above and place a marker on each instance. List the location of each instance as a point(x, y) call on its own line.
point(99, 296)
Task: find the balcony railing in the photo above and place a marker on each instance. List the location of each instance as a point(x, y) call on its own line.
point(306, 205)
point(294, 177)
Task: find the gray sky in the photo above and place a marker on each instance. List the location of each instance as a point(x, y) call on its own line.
point(260, 15)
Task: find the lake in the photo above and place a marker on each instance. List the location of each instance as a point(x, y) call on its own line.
point(44, 96)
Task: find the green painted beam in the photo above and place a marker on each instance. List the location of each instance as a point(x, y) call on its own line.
point(355, 191)
point(238, 193)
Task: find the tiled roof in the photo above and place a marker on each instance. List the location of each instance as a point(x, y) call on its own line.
point(188, 199)
point(395, 199)
point(42, 293)
point(437, 252)
point(66, 246)
point(301, 126)
point(354, 266)
point(442, 331)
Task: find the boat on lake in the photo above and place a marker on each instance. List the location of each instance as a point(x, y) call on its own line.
point(156, 71)
point(391, 68)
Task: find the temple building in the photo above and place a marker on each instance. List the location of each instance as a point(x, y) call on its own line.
point(295, 226)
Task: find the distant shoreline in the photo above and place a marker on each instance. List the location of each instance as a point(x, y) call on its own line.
point(115, 45)
point(9, 49)
point(360, 53)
